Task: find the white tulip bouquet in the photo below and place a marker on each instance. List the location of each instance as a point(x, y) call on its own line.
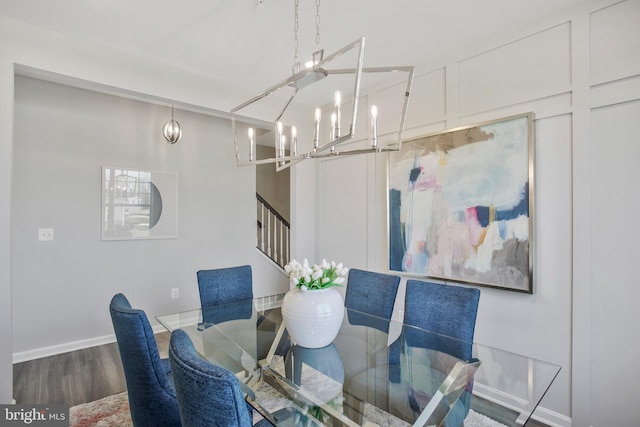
point(314, 277)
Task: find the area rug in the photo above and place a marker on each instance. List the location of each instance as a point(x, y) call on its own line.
point(475, 419)
point(113, 411)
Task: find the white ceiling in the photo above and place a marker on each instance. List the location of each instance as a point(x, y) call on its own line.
point(249, 45)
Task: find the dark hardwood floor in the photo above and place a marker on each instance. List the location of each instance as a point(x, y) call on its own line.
point(86, 375)
point(75, 377)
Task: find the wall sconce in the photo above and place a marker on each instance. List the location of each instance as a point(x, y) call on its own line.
point(171, 130)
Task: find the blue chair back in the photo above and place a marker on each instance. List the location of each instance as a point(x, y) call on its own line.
point(152, 398)
point(215, 314)
point(450, 313)
point(371, 292)
point(225, 285)
point(208, 395)
point(446, 310)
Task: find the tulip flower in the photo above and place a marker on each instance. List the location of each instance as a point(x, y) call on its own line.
point(315, 277)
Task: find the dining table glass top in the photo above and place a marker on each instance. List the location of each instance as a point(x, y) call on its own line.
point(375, 372)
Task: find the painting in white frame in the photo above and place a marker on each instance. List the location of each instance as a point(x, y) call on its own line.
point(139, 204)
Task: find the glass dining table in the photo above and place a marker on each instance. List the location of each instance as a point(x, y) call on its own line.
point(377, 372)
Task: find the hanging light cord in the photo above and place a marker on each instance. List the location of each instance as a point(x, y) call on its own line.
point(296, 26)
point(296, 65)
point(317, 25)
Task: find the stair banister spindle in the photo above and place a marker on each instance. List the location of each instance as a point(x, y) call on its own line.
point(262, 226)
point(277, 237)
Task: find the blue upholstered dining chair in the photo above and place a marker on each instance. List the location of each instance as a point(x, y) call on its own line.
point(208, 395)
point(447, 310)
point(225, 285)
point(371, 292)
point(152, 398)
point(450, 313)
point(374, 294)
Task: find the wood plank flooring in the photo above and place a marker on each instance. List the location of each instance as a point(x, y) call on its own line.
point(84, 375)
point(75, 377)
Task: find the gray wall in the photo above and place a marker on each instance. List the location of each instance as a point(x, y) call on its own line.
point(34, 51)
point(62, 137)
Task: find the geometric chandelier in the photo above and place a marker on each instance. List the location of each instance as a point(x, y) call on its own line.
point(332, 85)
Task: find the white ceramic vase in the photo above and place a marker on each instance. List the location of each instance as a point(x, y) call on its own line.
point(313, 317)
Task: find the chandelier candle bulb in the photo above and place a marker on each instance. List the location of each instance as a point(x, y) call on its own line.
point(283, 142)
point(333, 129)
point(294, 140)
point(337, 103)
point(374, 126)
point(251, 144)
point(316, 132)
point(278, 139)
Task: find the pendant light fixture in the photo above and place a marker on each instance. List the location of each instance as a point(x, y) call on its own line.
point(332, 84)
point(171, 130)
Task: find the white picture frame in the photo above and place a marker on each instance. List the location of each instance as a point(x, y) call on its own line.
point(139, 204)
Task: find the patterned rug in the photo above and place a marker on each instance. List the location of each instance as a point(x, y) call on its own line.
point(113, 411)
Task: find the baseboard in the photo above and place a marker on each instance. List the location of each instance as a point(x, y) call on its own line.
point(551, 418)
point(541, 414)
point(37, 353)
point(52, 350)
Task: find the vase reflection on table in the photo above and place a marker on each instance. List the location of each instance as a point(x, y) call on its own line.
point(302, 365)
point(313, 310)
point(320, 372)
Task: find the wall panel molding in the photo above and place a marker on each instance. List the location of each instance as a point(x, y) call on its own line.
point(615, 92)
point(529, 68)
point(614, 34)
point(551, 106)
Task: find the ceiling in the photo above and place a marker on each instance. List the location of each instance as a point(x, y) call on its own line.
point(251, 45)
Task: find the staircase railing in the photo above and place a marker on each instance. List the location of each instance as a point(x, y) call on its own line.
point(273, 232)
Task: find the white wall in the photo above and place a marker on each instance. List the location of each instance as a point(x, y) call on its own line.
point(615, 283)
point(579, 72)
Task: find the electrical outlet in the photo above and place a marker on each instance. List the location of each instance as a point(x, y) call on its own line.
point(175, 293)
point(45, 234)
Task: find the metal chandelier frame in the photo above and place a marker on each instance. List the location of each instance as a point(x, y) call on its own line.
point(306, 77)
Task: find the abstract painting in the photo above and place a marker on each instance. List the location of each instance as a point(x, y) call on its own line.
point(139, 204)
point(461, 203)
